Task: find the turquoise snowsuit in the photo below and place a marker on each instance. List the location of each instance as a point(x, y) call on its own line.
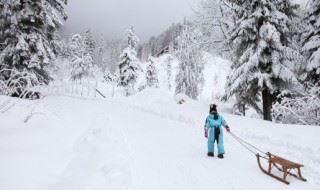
point(210, 125)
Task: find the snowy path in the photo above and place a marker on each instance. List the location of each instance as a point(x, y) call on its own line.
point(141, 143)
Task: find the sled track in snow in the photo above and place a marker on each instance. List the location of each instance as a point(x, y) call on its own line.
point(7, 105)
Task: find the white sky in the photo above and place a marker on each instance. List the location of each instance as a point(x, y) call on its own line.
point(113, 17)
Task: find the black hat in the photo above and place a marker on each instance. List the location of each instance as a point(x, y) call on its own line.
point(213, 109)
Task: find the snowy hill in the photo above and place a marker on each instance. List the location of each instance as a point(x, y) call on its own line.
point(143, 142)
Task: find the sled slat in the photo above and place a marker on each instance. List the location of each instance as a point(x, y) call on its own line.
point(283, 162)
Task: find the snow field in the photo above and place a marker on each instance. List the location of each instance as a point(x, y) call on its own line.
point(146, 141)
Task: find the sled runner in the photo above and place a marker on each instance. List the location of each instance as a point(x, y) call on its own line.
point(283, 165)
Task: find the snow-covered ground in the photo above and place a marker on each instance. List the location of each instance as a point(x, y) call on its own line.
point(143, 142)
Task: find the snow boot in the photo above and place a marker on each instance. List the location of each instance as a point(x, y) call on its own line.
point(210, 154)
point(220, 156)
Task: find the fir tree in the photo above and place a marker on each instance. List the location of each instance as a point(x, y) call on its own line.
point(266, 61)
point(81, 60)
point(129, 65)
point(190, 79)
point(152, 74)
point(133, 39)
point(311, 42)
point(28, 41)
point(90, 44)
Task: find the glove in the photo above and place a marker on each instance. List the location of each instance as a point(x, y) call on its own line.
point(228, 129)
point(206, 133)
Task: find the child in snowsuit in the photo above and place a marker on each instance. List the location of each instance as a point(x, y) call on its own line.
point(213, 127)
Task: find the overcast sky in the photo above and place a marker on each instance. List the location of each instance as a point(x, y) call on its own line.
point(113, 17)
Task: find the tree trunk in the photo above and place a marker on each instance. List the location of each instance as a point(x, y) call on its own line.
point(243, 106)
point(267, 103)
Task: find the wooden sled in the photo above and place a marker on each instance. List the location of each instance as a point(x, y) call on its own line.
point(282, 165)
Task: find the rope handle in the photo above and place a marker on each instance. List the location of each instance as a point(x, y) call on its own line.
point(251, 148)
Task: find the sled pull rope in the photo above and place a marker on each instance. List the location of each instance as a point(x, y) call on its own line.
point(251, 148)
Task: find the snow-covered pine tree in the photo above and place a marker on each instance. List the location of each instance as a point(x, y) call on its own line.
point(90, 43)
point(152, 74)
point(129, 65)
point(81, 60)
point(133, 39)
point(190, 79)
point(266, 61)
point(311, 41)
point(128, 70)
point(28, 42)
